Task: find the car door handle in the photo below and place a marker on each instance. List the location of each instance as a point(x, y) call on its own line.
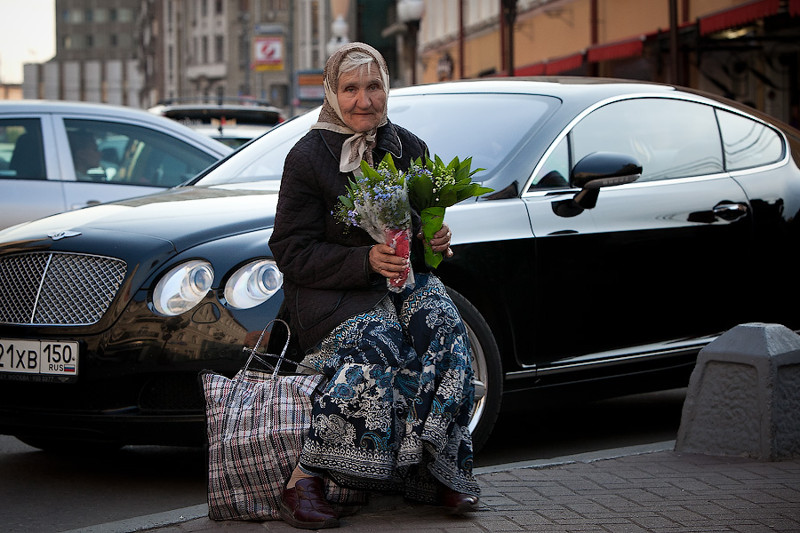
point(730, 212)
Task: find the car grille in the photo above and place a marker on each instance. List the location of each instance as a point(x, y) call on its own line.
point(57, 289)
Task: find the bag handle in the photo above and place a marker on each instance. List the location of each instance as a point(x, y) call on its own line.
point(254, 353)
point(254, 350)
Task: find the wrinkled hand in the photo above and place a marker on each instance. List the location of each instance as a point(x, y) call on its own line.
point(440, 241)
point(383, 261)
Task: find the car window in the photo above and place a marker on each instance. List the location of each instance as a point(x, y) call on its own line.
point(748, 143)
point(670, 138)
point(432, 118)
point(131, 155)
point(554, 173)
point(21, 152)
point(268, 163)
point(435, 118)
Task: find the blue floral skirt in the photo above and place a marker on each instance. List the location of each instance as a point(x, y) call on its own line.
point(395, 410)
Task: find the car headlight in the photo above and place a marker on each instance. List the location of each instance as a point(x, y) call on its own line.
point(252, 284)
point(183, 287)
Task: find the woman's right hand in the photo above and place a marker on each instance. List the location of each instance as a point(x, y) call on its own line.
point(383, 261)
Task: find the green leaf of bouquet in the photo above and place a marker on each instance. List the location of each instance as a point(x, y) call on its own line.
point(423, 193)
point(473, 189)
point(447, 197)
point(347, 202)
point(389, 160)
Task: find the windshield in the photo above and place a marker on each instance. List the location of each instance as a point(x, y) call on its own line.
point(451, 125)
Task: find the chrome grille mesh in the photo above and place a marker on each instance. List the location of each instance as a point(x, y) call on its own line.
point(61, 289)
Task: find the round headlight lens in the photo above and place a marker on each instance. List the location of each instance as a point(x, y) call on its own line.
point(253, 284)
point(183, 287)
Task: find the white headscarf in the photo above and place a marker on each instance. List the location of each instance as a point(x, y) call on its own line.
point(359, 145)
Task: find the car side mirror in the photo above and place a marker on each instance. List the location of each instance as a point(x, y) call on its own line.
point(602, 169)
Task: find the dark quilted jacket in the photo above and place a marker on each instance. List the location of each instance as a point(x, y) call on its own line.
point(327, 278)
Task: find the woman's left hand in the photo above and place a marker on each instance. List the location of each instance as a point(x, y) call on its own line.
point(441, 241)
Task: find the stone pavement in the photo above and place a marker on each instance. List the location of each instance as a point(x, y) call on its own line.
point(639, 489)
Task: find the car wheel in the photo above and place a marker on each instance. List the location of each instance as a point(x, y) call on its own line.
point(488, 371)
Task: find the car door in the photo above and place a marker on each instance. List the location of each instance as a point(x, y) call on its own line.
point(30, 185)
point(655, 261)
point(130, 160)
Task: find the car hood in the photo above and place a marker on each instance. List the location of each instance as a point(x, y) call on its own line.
point(183, 217)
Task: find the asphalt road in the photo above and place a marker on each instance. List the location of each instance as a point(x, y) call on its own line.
point(43, 492)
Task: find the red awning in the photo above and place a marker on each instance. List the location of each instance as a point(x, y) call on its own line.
point(562, 64)
point(736, 16)
point(615, 50)
point(794, 8)
point(535, 69)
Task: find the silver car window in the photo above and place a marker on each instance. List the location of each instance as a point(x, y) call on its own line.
point(21, 149)
point(131, 155)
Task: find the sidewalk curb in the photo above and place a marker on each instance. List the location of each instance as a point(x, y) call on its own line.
point(195, 512)
point(587, 457)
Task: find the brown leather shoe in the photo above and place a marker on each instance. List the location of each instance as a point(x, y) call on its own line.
point(457, 502)
point(304, 506)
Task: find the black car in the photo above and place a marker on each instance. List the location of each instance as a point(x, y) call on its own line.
point(630, 224)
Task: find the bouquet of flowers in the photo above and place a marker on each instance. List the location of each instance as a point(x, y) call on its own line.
point(434, 186)
point(377, 202)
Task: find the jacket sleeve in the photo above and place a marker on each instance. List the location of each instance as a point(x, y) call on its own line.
point(298, 241)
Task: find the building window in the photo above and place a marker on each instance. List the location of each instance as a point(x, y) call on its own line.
point(204, 52)
point(219, 49)
point(114, 40)
point(203, 8)
point(90, 41)
point(112, 14)
point(125, 15)
point(218, 7)
point(100, 15)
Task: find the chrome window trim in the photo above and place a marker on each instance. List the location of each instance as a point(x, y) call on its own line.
point(636, 185)
point(637, 96)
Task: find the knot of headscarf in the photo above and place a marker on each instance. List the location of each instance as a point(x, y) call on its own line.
point(358, 147)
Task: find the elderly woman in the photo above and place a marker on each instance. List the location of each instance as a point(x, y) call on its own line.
point(394, 412)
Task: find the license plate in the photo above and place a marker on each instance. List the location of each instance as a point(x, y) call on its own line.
point(53, 358)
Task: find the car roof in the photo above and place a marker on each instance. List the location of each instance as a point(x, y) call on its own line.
point(572, 90)
point(551, 85)
point(100, 110)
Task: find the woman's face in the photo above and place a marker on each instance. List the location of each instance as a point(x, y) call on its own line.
point(361, 98)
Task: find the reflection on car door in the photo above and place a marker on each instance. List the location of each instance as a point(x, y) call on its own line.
point(655, 260)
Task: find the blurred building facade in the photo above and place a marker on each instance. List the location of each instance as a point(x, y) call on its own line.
point(96, 43)
point(140, 52)
point(746, 50)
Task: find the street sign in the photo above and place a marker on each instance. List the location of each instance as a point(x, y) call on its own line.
point(267, 52)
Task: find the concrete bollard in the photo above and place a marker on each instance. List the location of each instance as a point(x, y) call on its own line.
point(744, 395)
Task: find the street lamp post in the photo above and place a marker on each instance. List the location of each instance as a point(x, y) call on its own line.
point(410, 13)
point(339, 26)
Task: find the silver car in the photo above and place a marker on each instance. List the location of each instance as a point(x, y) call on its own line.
point(57, 156)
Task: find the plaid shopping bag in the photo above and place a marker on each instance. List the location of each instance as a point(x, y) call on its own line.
point(256, 423)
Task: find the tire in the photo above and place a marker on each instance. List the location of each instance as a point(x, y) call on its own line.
point(488, 370)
